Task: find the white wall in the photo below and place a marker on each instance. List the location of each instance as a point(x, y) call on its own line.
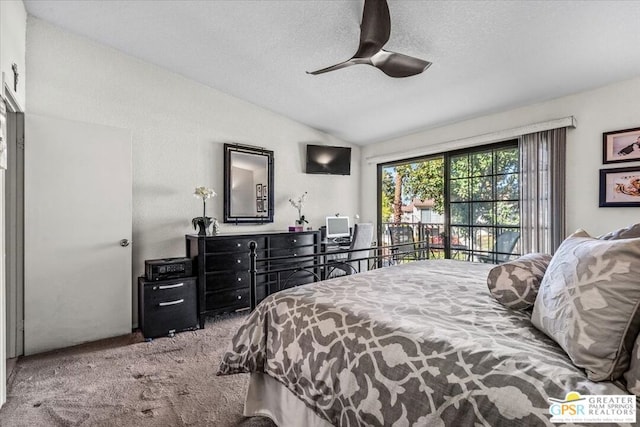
point(179, 128)
point(612, 107)
point(13, 24)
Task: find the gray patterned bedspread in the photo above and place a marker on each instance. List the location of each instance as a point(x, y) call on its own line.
point(417, 344)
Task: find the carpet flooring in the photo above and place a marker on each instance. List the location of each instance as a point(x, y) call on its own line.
point(127, 381)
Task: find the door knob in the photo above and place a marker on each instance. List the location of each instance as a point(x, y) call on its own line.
point(124, 242)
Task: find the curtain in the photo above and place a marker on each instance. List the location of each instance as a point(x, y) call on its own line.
point(542, 190)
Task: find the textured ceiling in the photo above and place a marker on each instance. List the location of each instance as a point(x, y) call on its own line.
point(487, 56)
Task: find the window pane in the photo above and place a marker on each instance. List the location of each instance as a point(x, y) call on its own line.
point(482, 188)
point(507, 187)
point(459, 166)
point(508, 213)
point(508, 160)
point(460, 213)
point(482, 214)
point(460, 236)
point(459, 190)
point(481, 164)
point(483, 239)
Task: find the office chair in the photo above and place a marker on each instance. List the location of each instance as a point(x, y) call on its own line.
point(361, 239)
point(505, 243)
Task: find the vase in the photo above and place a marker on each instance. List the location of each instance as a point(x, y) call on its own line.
point(203, 225)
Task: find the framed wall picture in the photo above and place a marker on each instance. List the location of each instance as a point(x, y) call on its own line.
point(260, 205)
point(258, 191)
point(621, 146)
point(264, 191)
point(620, 187)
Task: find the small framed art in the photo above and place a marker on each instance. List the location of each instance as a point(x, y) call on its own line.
point(620, 187)
point(260, 205)
point(258, 191)
point(621, 146)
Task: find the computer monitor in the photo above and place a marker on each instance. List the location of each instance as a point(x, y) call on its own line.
point(337, 226)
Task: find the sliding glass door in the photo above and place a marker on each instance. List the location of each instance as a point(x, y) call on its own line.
point(483, 203)
point(464, 203)
point(412, 193)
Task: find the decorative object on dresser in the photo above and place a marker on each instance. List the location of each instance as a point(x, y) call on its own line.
point(167, 306)
point(248, 171)
point(222, 265)
point(203, 222)
point(301, 221)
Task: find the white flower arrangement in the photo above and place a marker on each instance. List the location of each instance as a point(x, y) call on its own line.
point(298, 204)
point(203, 193)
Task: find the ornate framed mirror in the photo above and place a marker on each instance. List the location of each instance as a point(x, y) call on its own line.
point(248, 184)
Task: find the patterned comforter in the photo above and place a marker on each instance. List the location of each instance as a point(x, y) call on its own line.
point(416, 344)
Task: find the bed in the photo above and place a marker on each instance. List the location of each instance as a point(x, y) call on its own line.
point(415, 344)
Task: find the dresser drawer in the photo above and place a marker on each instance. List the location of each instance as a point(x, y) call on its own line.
point(232, 245)
point(227, 262)
point(237, 298)
point(167, 306)
point(293, 254)
point(287, 241)
point(229, 280)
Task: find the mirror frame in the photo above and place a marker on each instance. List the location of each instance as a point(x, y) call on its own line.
point(247, 149)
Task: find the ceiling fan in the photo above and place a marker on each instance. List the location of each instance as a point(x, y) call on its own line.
point(374, 34)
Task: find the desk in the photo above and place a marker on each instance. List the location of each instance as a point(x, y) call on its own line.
point(328, 246)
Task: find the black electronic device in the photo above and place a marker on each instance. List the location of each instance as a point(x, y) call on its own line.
point(325, 159)
point(167, 268)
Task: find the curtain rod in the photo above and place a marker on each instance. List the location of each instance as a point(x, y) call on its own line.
point(471, 141)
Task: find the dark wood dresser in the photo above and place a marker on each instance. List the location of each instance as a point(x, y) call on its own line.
point(222, 266)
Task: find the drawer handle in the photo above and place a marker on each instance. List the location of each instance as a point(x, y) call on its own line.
point(238, 261)
point(239, 296)
point(295, 241)
point(177, 285)
point(178, 301)
point(238, 245)
point(239, 279)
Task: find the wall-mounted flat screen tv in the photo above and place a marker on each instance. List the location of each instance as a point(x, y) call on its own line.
point(325, 159)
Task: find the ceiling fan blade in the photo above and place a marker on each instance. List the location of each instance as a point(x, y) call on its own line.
point(398, 65)
point(335, 67)
point(375, 28)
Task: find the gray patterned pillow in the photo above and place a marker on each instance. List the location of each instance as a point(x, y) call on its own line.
point(630, 232)
point(515, 283)
point(588, 302)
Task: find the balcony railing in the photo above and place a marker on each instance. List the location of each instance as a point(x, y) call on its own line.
point(472, 243)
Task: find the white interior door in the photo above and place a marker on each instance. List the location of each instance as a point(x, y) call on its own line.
point(78, 190)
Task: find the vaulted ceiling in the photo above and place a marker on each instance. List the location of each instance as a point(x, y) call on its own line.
point(487, 56)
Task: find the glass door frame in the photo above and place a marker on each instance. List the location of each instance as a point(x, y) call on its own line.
point(446, 156)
